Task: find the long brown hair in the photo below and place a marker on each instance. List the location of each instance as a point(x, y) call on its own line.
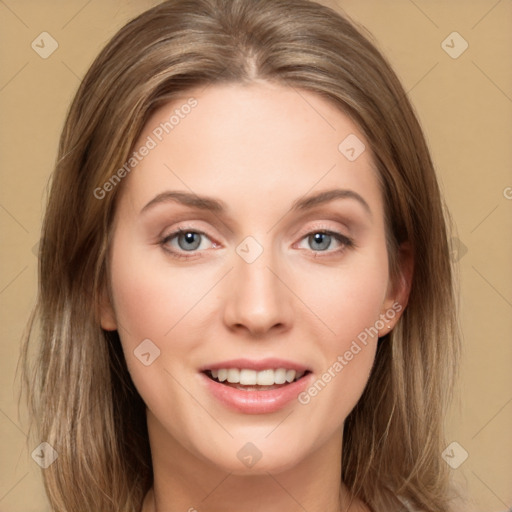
point(82, 399)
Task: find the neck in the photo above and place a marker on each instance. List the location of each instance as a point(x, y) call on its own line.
point(185, 482)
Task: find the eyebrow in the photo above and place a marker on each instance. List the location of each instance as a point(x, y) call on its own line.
point(217, 206)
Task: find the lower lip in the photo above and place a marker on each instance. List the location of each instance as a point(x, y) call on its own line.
point(256, 402)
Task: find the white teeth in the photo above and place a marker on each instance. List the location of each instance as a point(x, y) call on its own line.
point(265, 378)
point(234, 375)
point(248, 377)
point(280, 376)
point(290, 375)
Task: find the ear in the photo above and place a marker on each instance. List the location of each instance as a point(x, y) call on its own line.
point(398, 290)
point(106, 311)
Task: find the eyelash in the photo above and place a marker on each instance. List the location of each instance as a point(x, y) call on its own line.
point(345, 241)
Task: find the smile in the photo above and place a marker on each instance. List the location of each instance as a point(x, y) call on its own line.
point(260, 390)
point(252, 380)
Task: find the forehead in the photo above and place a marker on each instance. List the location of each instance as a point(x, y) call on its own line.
point(253, 146)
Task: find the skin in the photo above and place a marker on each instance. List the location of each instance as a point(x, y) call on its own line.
point(258, 148)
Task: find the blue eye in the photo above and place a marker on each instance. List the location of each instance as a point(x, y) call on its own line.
point(324, 238)
point(189, 241)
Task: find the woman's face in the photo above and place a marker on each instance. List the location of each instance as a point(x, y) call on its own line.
point(252, 175)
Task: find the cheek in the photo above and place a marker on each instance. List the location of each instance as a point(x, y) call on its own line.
point(151, 298)
point(153, 301)
point(345, 299)
point(348, 302)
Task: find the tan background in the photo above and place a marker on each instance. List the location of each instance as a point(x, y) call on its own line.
point(465, 106)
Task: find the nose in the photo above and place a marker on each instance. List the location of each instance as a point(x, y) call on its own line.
point(256, 297)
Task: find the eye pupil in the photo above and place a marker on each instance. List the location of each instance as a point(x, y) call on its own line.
point(319, 238)
point(189, 238)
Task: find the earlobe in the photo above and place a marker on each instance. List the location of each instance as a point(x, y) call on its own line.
point(399, 291)
point(106, 312)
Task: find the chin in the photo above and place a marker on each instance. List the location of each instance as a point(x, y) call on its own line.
point(269, 463)
point(257, 457)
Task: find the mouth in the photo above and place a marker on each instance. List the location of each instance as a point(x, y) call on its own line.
point(256, 386)
point(246, 379)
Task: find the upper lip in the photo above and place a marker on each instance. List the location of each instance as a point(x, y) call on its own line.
point(257, 364)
